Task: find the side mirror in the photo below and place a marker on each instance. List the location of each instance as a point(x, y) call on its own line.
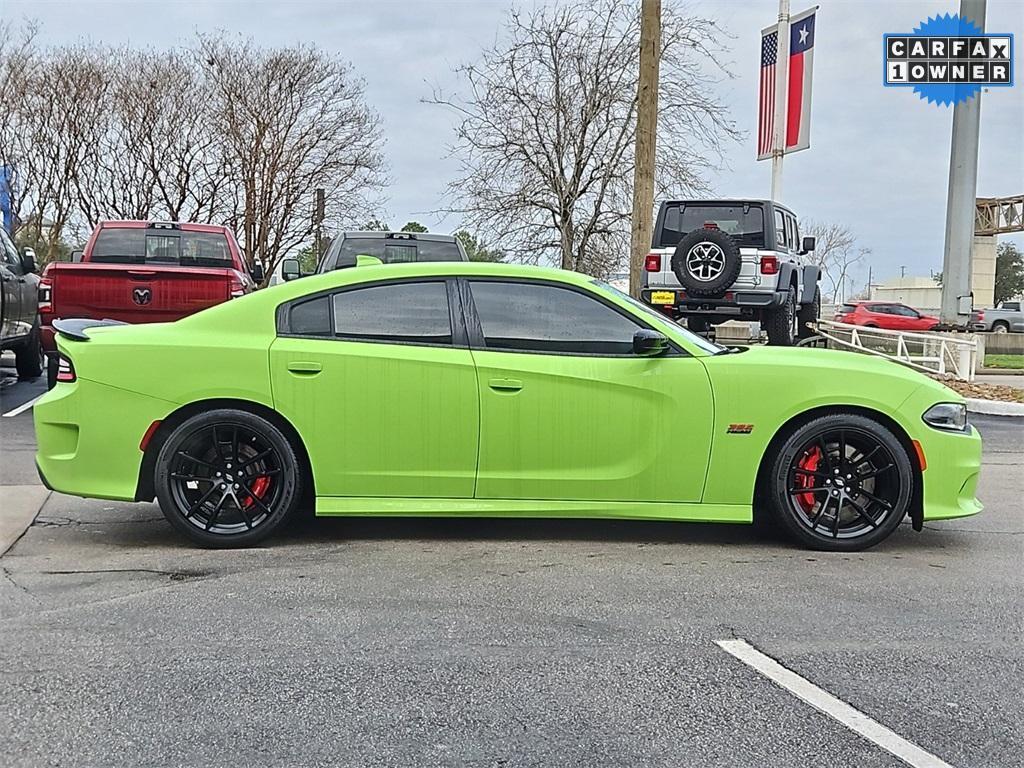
point(28, 260)
point(76, 255)
point(808, 244)
point(290, 269)
point(256, 272)
point(648, 343)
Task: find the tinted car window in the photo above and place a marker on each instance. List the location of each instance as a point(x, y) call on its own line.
point(400, 312)
point(545, 318)
point(744, 222)
point(9, 252)
point(138, 246)
point(395, 251)
point(311, 318)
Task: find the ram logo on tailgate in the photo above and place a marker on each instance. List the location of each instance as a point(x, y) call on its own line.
point(142, 296)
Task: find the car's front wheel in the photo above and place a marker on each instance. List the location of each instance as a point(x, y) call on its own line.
point(841, 482)
point(227, 478)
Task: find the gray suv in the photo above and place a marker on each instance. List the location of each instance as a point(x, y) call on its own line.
point(717, 260)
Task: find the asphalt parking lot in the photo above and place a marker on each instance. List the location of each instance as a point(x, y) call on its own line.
point(502, 642)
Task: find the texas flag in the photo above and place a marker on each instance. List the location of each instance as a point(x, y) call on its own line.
point(796, 127)
point(798, 102)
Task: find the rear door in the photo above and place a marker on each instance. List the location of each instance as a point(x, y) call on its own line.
point(379, 382)
point(568, 412)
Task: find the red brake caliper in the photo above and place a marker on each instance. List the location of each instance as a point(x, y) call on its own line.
point(810, 462)
point(259, 488)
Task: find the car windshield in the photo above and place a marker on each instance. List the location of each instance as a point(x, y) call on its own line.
point(653, 314)
point(742, 221)
point(161, 246)
point(397, 251)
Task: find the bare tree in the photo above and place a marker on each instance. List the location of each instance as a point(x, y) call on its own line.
point(291, 120)
point(836, 252)
point(547, 129)
point(62, 119)
point(19, 61)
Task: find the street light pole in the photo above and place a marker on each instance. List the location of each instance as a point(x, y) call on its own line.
point(963, 189)
point(781, 99)
point(646, 139)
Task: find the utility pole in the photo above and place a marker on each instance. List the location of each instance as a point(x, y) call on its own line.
point(960, 203)
point(646, 140)
point(903, 270)
point(318, 220)
point(781, 99)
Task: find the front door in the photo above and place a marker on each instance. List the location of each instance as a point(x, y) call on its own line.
point(568, 412)
point(13, 280)
point(385, 400)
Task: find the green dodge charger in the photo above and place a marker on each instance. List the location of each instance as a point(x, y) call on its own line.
point(491, 390)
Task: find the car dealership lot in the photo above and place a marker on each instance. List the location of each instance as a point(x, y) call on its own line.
point(502, 642)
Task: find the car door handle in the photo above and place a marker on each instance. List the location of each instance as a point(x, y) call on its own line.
point(304, 368)
point(505, 385)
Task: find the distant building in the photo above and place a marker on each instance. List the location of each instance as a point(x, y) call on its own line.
point(918, 292)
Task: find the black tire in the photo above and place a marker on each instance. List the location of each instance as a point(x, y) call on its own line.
point(52, 365)
point(199, 461)
point(1000, 327)
point(28, 356)
point(706, 262)
point(698, 324)
point(808, 316)
point(847, 460)
point(780, 323)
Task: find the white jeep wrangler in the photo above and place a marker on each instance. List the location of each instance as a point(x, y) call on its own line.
point(718, 260)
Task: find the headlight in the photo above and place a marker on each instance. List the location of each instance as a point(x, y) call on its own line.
point(952, 416)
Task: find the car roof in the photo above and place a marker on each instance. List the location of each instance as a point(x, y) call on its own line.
point(378, 235)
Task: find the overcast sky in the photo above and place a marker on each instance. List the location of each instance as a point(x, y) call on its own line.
point(879, 157)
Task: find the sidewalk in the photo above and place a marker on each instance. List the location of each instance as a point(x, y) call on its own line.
point(1006, 379)
point(19, 505)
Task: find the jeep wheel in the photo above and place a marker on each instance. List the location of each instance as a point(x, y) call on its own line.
point(706, 262)
point(780, 323)
point(698, 324)
point(808, 316)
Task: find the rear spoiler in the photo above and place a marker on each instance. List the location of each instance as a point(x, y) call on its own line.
point(75, 328)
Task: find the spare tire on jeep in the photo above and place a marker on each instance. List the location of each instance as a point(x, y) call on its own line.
point(706, 262)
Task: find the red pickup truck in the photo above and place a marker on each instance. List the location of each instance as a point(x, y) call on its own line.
point(144, 272)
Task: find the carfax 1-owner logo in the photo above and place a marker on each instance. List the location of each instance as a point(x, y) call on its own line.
point(948, 59)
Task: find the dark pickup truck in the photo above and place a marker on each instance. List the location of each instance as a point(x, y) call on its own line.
point(144, 272)
point(19, 316)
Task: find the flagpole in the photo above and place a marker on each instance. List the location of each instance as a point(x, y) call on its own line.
point(781, 97)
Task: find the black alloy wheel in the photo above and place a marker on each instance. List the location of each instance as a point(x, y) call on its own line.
point(842, 483)
point(227, 478)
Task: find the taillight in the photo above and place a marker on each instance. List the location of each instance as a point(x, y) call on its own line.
point(980, 314)
point(769, 265)
point(653, 262)
point(65, 369)
point(237, 287)
point(45, 294)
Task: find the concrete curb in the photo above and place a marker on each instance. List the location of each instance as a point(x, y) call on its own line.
point(994, 407)
point(21, 504)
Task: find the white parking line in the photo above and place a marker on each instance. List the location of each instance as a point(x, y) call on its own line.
point(23, 407)
point(835, 708)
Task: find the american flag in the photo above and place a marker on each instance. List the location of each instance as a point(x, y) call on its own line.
point(766, 105)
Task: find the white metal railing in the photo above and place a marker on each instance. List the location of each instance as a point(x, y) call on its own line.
point(938, 353)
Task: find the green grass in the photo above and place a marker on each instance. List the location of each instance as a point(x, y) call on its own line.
point(1004, 361)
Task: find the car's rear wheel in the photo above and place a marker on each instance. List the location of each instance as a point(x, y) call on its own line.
point(29, 359)
point(841, 482)
point(227, 478)
point(780, 323)
point(808, 316)
point(698, 324)
point(1000, 327)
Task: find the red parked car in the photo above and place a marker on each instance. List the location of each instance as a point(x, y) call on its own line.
point(144, 272)
point(885, 314)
